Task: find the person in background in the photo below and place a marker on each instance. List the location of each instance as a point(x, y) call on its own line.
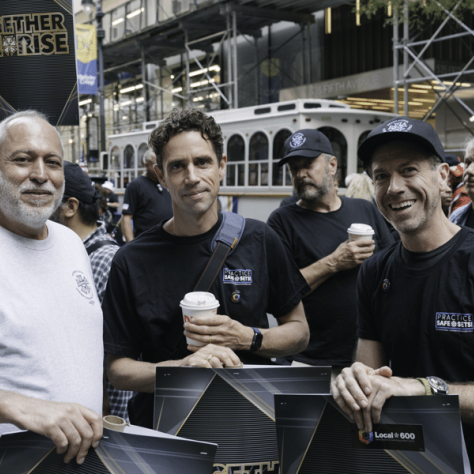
point(464, 215)
point(146, 201)
point(51, 349)
point(314, 230)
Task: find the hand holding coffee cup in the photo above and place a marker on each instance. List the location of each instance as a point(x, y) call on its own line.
point(198, 304)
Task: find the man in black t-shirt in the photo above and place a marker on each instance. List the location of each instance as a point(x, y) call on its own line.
point(464, 215)
point(416, 299)
point(151, 275)
point(146, 202)
point(314, 229)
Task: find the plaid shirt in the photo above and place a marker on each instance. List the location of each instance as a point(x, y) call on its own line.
point(101, 261)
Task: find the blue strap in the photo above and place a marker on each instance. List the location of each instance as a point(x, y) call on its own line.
point(232, 228)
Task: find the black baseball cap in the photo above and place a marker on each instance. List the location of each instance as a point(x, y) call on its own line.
point(451, 159)
point(78, 183)
point(403, 128)
point(308, 143)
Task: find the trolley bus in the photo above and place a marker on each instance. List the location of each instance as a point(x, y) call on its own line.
point(253, 142)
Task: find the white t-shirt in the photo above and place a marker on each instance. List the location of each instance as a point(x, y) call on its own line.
point(50, 320)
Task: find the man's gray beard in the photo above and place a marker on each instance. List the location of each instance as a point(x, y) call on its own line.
point(313, 192)
point(17, 211)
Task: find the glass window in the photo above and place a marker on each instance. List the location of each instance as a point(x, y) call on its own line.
point(235, 175)
point(258, 152)
point(281, 175)
point(141, 151)
point(360, 165)
point(129, 157)
point(118, 23)
point(134, 16)
point(339, 147)
point(115, 158)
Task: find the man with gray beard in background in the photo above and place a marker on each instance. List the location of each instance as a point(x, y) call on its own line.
point(51, 346)
point(314, 229)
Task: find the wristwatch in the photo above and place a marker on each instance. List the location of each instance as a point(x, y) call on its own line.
point(438, 386)
point(257, 340)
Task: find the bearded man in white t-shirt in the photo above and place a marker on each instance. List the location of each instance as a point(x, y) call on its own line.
point(51, 346)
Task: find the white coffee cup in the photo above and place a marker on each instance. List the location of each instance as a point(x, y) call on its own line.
point(198, 304)
point(360, 231)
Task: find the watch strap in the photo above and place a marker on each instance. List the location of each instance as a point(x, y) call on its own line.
point(257, 340)
point(425, 384)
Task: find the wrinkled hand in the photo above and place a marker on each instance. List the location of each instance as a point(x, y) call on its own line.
point(211, 356)
point(72, 427)
point(219, 330)
point(351, 253)
point(361, 392)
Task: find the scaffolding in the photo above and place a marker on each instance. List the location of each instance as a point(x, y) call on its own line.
point(448, 84)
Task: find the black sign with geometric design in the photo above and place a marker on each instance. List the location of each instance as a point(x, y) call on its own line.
point(38, 60)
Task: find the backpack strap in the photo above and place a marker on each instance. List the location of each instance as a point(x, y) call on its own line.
point(97, 245)
point(223, 244)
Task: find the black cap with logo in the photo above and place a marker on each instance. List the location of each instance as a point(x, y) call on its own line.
point(308, 143)
point(78, 183)
point(402, 128)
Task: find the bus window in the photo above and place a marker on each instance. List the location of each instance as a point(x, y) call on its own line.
point(360, 165)
point(141, 151)
point(281, 175)
point(235, 174)
point(129, 157)
point(258, 152)
point(339, 147)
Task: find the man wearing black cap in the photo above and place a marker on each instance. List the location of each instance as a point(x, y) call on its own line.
point(415, 300)
point(314, 229)
point(79, 210)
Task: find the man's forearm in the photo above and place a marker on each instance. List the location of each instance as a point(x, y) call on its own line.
point(129, 374)
point(466, 399)
point(291, 336)
point(127, 229)
point(318, 272)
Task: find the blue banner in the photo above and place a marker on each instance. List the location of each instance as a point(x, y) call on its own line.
point(86, 59)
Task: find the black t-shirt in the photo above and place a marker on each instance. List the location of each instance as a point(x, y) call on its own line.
point(151, 275)
point(470, 219)
point(424, 318)
point(331, 308)
point(146, 203)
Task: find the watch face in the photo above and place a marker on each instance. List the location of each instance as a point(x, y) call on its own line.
point(438, 385)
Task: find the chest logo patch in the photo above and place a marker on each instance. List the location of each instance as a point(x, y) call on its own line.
point(457, 322)
point(237, 277)
point(82, 285)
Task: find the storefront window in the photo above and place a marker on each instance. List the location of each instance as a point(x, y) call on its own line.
point(235, 175)
point(258, 160)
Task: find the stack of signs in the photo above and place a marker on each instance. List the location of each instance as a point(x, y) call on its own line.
point(37, 59)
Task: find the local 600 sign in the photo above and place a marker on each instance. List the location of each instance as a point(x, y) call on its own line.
point(37, 59)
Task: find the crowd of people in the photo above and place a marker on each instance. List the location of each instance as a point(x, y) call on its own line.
point(402, 301)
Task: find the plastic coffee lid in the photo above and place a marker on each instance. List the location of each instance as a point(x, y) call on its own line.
point(360, 229)
point(199, 300)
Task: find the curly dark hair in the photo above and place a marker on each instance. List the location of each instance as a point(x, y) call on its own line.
point(185, 120)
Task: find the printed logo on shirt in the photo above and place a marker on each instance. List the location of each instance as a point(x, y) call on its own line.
point(456, 322)
point(237, 277)
point(82, 285)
